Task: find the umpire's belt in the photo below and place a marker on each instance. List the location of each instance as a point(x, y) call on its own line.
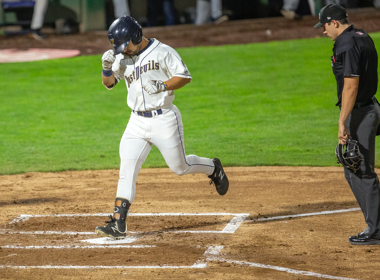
point(372, 101)
point(148, 114)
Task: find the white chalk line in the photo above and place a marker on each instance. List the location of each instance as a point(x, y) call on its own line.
point(110, 241)
point(279, 268)
point(211, 254)
point(49, 232)
point(101, 266)
point(231, 226)
point(211, 250)
point(77, 247)
point(308, 214)
point(24, 217)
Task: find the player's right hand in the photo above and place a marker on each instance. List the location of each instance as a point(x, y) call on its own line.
point(108, 59)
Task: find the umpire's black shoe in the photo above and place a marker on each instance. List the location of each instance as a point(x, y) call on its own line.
point(111, 230)
point(219, 178)
point(363, 239)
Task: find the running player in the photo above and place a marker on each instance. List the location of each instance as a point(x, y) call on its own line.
point(152, 71)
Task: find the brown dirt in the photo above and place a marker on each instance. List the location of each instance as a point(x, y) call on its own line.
point(316, 244)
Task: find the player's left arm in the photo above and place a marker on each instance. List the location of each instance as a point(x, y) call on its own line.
point(180, 75)
point(154, 86)
point(176, 83)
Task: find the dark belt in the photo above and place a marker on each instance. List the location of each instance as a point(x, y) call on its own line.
point(148, 114)
point(372, 101)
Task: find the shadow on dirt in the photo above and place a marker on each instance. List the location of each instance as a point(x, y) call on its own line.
point(196, 227)
point(29, 201)
point(304, 209)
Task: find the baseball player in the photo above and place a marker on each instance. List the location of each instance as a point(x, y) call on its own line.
point(39, 11)
point(152, 71)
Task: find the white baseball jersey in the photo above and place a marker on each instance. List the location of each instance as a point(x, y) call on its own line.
point(165, 130)
point(157, 62)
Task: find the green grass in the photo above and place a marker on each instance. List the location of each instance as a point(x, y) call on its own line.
point(256, 104)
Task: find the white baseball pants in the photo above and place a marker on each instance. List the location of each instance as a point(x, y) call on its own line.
point(292, 5)
point(165, 131)
point(121, 8)
point(39, 11)
point(205, 9)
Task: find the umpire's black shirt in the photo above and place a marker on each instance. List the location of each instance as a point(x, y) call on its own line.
point(354, 55)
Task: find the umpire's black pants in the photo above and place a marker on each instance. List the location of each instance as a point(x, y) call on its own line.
point(362, 126)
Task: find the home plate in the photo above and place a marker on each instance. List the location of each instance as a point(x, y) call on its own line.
point(110, 241)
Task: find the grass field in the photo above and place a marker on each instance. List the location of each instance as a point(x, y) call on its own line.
point(257, 104)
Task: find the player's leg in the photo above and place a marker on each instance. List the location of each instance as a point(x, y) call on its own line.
point(289, 9)
point(202, 12)
point(168, 136)
point(290, 5)
point(217, 12)
point(216, 8)
point(38, 17)
point(133, 152)
point(121, 8)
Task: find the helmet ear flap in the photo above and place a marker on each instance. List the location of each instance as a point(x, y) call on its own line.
point(136, 40)
point(137, 37)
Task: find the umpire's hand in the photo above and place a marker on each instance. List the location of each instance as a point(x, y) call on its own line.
point(343, 134)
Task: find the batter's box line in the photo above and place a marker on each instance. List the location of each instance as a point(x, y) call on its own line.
point(211, 252)
point(231, 226)
point(215, 257)
point(210, 255)
point(308, 214)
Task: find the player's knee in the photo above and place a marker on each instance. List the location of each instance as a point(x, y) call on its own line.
point(179, 170)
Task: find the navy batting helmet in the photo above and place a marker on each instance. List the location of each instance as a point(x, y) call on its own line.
point(122, 31)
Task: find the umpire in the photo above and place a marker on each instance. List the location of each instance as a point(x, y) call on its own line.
point(354, 64)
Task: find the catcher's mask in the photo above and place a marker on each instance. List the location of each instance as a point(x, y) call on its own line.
point(349, 155)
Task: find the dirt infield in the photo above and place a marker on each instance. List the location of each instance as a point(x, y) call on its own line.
point(180, 228)
point(274, 222)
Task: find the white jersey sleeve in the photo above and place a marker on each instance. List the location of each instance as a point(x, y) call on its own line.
point(175, 64)
point(118, 70)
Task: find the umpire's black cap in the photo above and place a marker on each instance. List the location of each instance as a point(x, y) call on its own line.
point(330, 12)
